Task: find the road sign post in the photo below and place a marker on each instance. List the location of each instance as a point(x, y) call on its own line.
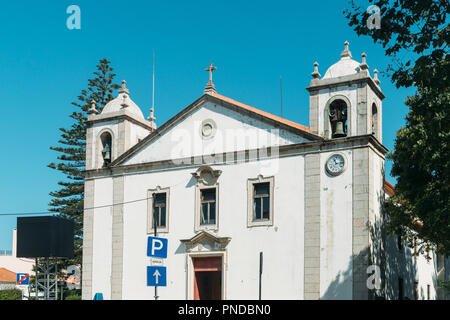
point(156, 276)
point(157, 247)
point(155, 227)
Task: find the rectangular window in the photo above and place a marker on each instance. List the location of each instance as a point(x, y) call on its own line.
point(399, 243)
point(261, 201)
point(428, 292)
point(400, 288)
point(208, 206)
point(415, 247)
point(416, 290)
point(159, 210)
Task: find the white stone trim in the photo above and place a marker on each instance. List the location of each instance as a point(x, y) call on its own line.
point(88, 240)
point(332, 174)
point(190, 271)
point(205, 227)
point(326, 118)
point(158, 189)
point(98, 147)
point(250, 188)
point(377, 120)
point(213, 126)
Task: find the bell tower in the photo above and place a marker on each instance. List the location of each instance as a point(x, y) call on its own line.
point(116, 129)
point(346, 101)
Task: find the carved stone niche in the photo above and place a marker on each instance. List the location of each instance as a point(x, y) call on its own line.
point(204, 242)
point(206, 175)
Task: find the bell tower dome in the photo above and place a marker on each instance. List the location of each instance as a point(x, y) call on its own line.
point(116, 129)
point(346, 101)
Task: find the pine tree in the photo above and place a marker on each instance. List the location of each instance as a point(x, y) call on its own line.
point(68, 199)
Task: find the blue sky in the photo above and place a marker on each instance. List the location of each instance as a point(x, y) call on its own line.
point(44, 66)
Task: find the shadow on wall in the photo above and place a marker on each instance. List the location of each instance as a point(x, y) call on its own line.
point(399, 265)
point(396, 267)
point(400, 270)
point(341, 286)
point(393, 265)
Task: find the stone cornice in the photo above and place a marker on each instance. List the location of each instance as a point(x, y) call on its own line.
point(345, 143)
point(205, 235)
point(118, 115)
point(320, 84)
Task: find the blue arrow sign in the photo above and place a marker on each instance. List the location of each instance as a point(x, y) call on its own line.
point(157, 247)
point(156, 276)
point(23, 279)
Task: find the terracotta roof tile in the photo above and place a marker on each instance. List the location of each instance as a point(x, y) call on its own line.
point(263, 113)
point(389, 188)
point(7, 275)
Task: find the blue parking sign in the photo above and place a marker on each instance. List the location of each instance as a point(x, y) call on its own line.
point(23, 278)
point(157, 247)
point(156, 276)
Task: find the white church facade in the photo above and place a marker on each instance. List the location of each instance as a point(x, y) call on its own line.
point(226, 181)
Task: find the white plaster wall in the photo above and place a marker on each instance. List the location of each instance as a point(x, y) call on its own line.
point(402, 264)
point(184, 139)
point(282, 244)
point(102, 238)
point(376, 180)
point(15, 264)
point(426, 275)
point(137, 133)
point(336, 231)
point(348, 91)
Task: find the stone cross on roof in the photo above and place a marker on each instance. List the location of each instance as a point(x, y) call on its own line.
point(124, 88)
point(210, 86)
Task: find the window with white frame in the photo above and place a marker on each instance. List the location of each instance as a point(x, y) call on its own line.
point(208, 206)
point(158, 210)
point(260, 201)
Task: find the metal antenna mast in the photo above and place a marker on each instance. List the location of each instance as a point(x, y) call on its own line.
point(152, 118)
point(281, 95)
point(153, 89)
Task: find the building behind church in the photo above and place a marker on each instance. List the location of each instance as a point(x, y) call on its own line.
point(224, 182)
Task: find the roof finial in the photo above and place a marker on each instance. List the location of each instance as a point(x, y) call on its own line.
point(346, 52)
point(316, 73)
point(375, 76)
point(363, 64)
point(152, 118)
point(210, 86)
point(92, 109)
point(124, 88)
point(124, 104)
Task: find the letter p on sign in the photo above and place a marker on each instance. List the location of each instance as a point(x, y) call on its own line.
point(157, 247)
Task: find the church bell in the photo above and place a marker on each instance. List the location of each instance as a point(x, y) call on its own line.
point(106, 153)
point(339, 132)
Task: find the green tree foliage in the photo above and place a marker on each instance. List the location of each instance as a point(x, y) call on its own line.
point(73, 297)
point(10, 294)
point(415, 34)
point(68, 199)
point(422, 166)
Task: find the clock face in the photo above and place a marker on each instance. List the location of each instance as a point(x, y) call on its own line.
point(335, 164)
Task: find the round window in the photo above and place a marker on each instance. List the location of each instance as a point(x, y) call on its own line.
point(208, 129)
